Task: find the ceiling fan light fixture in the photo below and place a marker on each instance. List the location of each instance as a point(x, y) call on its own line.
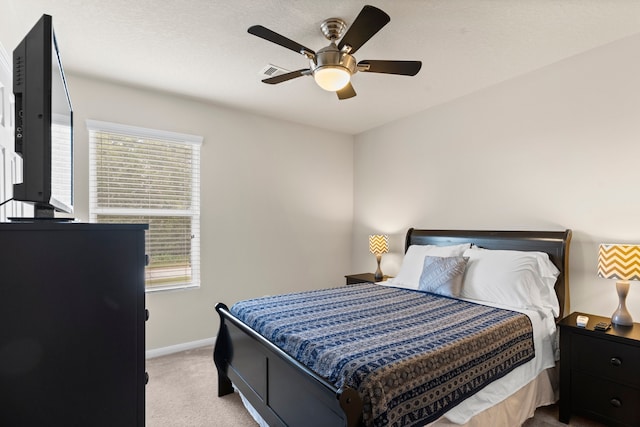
point(331, 78)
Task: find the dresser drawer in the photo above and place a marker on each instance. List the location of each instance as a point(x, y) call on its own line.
point(606, 359)
point(606, 400)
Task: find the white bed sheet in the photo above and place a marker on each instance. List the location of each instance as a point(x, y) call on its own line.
point(517, 408)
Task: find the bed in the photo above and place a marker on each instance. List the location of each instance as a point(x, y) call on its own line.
point(283, 391)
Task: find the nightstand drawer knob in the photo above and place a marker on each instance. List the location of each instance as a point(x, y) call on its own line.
point(616, 403)
point(615, 361)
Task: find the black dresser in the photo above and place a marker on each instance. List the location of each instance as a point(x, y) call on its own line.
point(72, 316)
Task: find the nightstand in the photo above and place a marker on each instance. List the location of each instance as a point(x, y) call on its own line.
point(600, 372)
point(352, 279)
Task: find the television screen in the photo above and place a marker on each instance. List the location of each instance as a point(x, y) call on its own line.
point(44, 123)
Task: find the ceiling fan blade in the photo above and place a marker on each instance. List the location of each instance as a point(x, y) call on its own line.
point(369, 21)
point(272, 36)
point(405, 68)
point(346, 92)
point(287, 76)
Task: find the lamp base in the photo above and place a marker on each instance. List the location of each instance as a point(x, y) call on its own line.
point(378, 274)
point(622, 316)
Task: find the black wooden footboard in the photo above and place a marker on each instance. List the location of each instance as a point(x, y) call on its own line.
point(281, 389)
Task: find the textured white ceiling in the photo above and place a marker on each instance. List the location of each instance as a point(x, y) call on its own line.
point(201, 48)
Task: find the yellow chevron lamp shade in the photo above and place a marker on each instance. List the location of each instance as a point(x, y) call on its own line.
point(378, 245)
point(621, 262)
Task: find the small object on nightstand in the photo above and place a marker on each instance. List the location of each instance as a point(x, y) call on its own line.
point(582, 321)
point(602, 326)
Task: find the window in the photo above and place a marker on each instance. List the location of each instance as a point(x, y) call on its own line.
point(147, 176)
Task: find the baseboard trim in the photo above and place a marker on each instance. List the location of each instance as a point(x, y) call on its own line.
point(163, 351)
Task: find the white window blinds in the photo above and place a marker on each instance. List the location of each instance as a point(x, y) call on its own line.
point(140, 175)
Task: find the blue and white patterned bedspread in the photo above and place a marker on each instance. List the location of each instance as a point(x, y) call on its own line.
point(411, 355)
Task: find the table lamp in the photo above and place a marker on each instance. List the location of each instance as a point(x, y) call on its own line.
point(621, 262)
point(378, 245)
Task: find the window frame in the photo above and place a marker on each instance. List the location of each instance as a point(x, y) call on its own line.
point(193, 212)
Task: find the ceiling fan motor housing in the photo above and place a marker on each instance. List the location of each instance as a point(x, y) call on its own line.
point(330, 56)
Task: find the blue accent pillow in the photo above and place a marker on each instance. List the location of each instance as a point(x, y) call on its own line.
point(443, 275)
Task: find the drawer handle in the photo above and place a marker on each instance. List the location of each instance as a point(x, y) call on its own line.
point(615, 361)
point(616, 403)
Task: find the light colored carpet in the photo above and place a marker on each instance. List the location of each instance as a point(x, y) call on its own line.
point(183, 392)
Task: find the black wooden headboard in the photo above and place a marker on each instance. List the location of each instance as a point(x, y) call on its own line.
point(555, 243)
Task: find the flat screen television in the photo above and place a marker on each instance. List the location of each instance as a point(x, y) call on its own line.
point(43, 123)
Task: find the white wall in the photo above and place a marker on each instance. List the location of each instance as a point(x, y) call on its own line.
point(554, 149)
point(276, 202)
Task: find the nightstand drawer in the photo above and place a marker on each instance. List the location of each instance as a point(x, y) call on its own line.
point(606, 359)
point(602, 398)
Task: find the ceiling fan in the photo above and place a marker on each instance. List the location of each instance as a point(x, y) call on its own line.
point(333, 66)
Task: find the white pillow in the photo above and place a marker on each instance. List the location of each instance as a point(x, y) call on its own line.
point(517, 279)
point(409, 275)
